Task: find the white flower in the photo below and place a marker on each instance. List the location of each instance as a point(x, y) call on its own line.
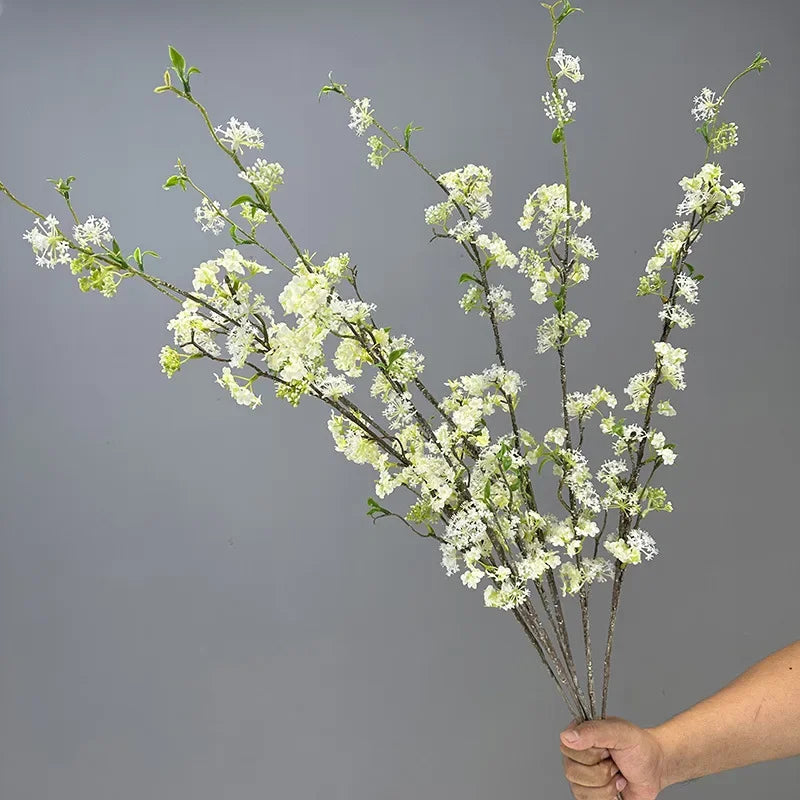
point(500, 299)
point(465, 230)
point(241, 394)
point(688, 288)
point(706, 105)
point(334, 386)
point(609, 470)
point(668, 455)
point(571, 578)
point(556, 435)
point(569, 66)
point(665, 409)
point(539, 292)
point(677, 314)
point(639, 388)
point(558, 107)
point(502, 574)
point(671, 360)
point(239, 343)
point(238, 135)
point(265, 176)
point(93, 231)
point(255, 216)
point(633, 432)
point(643, 542)
point(210, 216)
point(472, 577)
point(205, 275)
point(597, 570)
point(449, 557)
point(469, 186)
point(49, 246)
point(498, 250)
point(360, 116)
point(439, 214)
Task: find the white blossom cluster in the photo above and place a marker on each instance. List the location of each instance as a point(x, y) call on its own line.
point(568, 66)
point(706, 105)
point(582, 405)
point(265, 176)
point(558, 106)
point(211, 216)
point(706, 196)
point(468, 187)
point(557, 330)
point(361, 116)
point(630, 550)
point(238, 135)
point(548, 206)
point(49, 246)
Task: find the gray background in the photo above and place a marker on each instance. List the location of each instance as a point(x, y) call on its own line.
point(192, 601)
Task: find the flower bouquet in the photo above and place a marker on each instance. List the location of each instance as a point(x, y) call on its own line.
point(474, 489)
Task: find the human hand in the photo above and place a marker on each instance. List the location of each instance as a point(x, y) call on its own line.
point(612, 756)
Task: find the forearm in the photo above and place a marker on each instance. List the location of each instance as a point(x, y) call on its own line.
point(754, 718)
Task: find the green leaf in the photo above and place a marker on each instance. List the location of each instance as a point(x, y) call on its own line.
point(394, 355)
point(192, 70)
point(178, 61)
point(137, 256)
point(338, 88)
point(151, 253)
point(467, 277)
point(115, 247)
point(410, 128)
point(698, 277)
point(759, 62)
point(173, 180)
point(244, 198)
point(568, 9)
point(558, 304)
point(558, 135)
point(376, 510)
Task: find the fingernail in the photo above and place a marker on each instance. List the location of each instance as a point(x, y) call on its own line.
point(621, 784)
point(570, 737)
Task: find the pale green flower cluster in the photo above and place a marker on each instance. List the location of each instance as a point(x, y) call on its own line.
point(630, 550)
point(557, 330)
point(265, 176)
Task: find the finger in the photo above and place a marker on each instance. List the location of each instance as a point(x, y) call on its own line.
point(607, 792)
point(591, 756)
point(613, 733)
point(593, 776)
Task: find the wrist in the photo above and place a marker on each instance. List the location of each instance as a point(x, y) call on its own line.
point(667, 762)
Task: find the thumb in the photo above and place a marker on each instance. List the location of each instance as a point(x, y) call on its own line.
point(613, 733)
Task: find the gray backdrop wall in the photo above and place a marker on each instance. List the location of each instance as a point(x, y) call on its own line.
point(192, 601)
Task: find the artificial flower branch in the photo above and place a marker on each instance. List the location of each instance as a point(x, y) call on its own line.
point(473, 492)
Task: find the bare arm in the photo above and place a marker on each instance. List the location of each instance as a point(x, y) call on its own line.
point(754, 718)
